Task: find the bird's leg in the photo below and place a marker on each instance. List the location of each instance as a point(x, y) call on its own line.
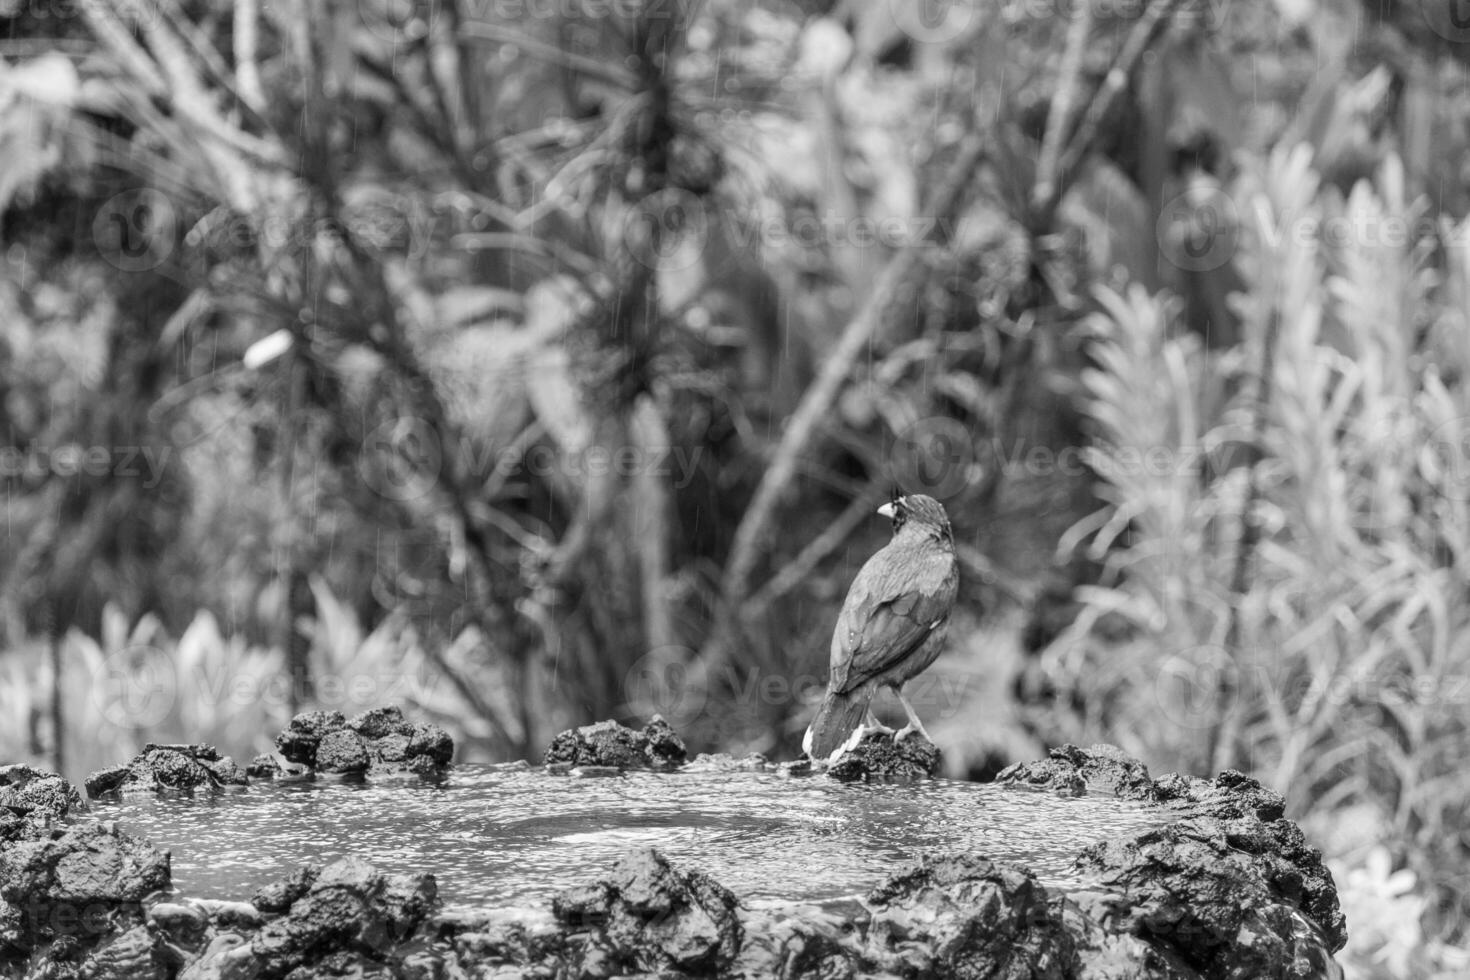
point(871, 723)
point(914, 725)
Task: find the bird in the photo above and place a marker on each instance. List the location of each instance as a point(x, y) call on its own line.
point(892, 623)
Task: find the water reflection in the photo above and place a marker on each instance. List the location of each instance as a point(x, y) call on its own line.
point(499, 836)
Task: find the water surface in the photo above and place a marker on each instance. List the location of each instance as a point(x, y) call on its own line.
point(497, 836)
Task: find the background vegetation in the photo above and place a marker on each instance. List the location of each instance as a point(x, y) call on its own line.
point(531, 363)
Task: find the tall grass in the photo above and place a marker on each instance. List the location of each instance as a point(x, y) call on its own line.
point(1326, 460)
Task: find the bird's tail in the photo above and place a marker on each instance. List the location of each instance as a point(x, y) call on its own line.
point(836, 720)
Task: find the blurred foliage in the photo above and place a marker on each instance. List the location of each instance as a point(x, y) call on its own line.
point(530, 366)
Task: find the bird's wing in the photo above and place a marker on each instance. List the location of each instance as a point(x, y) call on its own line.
point(898, 598)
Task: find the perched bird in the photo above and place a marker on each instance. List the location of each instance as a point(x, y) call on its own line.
point(892, 623)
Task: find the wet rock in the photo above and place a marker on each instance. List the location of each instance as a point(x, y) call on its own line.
point(164, 768)
point(798, 942)
point(279, 895)
point(1293, 869)
point(1188, 889)
point(351, 918)
point(86, 883)
point(182, 923)
point(269, 766)
point(341, 751)
point(878, 756)
point(37, 795)
point(647, 915)
point(967, 916)
point(377, 723)
point(378, 742)
point(227, 956)
point(432, 743)
point(1073, 771)
point(299, 741)
point(134, 955)
point(496, 944)
point(608, 743)
point(1230, 794)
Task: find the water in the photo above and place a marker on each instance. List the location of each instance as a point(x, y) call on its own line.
point(507, 836)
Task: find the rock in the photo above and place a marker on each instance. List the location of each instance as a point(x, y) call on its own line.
point(350, 918)
point(269, 765)
point(377, 742)
point(878, 756)
point(967, 916)
point(341, 751)
point(299, 741)
point(37, 795)
point(1074, 771)
point(431, 742)
point(134, 955)
point(183, 923)
point(1187, 888)
point(227, 956)
point(164, 768)
point(1230, 794)
point(800, 942)
point(377, 723)
point(608, 743)
point(499, 944)
point(86, 882)
point(648, 916)
point(278, 896)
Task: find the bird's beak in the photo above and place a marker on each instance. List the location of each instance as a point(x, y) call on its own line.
point(886, 510)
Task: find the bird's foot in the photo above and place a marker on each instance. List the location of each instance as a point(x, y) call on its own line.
point(908, 730)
